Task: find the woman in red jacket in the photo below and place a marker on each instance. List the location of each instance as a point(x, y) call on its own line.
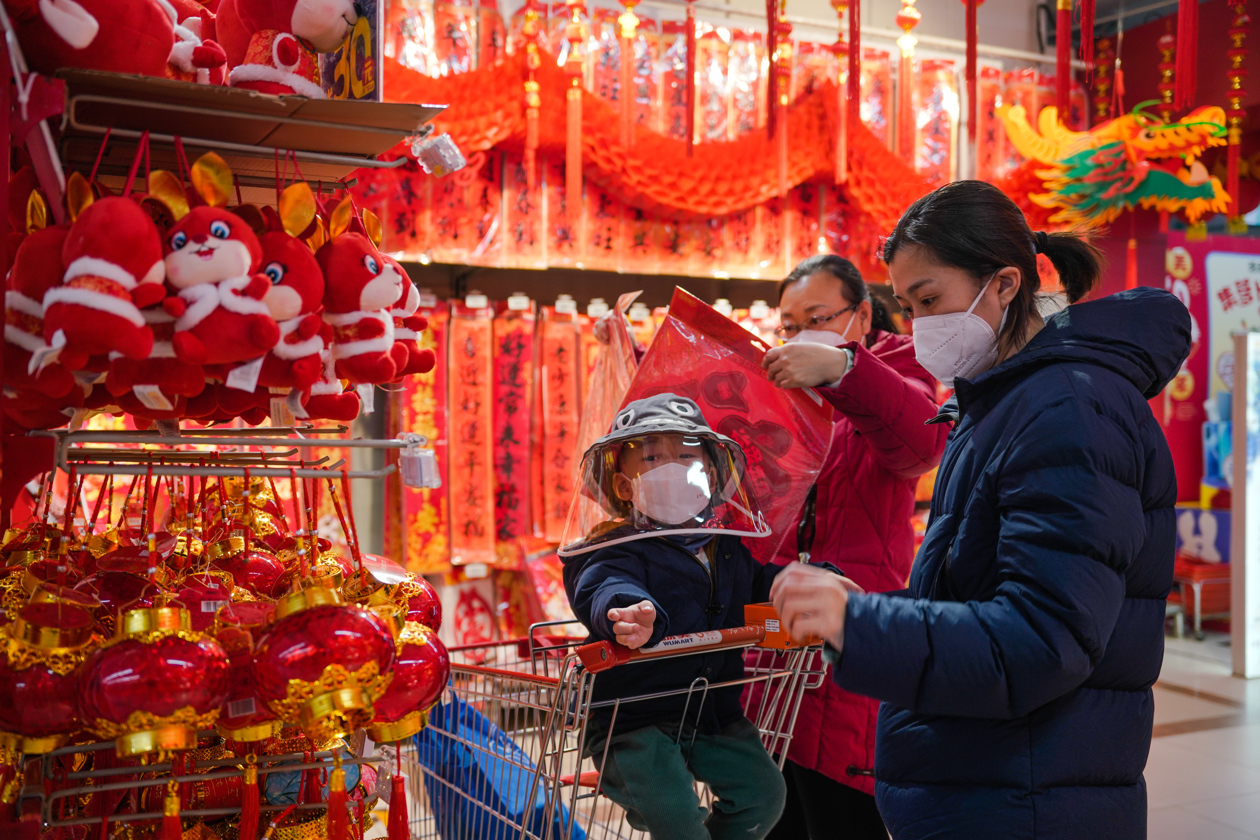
point(849, 350)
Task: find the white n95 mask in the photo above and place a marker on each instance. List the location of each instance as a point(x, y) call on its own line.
point(956, 345)
point(672, 494)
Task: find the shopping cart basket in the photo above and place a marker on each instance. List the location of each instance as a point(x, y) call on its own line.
point(501, 758)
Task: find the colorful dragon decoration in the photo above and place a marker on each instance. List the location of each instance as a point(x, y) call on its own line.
point(1136, 160)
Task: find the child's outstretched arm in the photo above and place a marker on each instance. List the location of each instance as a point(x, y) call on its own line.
point(611, 591)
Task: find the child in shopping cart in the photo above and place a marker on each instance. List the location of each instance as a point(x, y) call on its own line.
point(653, 549)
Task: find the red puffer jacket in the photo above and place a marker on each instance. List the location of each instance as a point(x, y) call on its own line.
point(879, 448)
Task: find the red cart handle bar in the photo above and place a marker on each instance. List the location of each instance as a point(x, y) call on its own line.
point(600, 656)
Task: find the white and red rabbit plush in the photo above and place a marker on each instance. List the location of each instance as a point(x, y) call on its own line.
point(330, 399)
point(285, 38)
point(195, 57)
point(295, 301)
point(409, 357)
point(36, 269)
point(114, 269)
point(361, 289)
point(156, 388)
point(212, 260)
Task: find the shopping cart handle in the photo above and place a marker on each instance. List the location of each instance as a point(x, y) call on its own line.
point(600, 656)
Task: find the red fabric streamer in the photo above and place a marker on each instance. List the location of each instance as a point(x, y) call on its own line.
point(1087, 36)
point(1231, 179)
point(1130, 266)
point(1187, 53)
point(172, 826)
point(1063, 59)
point(973, 111)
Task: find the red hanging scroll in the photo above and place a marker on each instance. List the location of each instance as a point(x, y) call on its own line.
point(937, 120)
point(560, 408)
point(513, 385)
point(423, 409)
point(523, 222)
point(470, 358)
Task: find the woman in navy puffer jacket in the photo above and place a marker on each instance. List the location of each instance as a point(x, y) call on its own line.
point(1016, 672)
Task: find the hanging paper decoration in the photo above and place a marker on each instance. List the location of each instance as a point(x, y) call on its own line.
point(673, 121)
point(513, 385)
point(470, 357)
point(531, 31)
point(713, 82)
point(1103, 78)
point(991, 150)
point(524, 231)
point(907, 18)
point(744, 74)
point(1168, 66)
point(455, 37)
point(423, 409)
point(1235, 113)
point(602, 219)
point(564, 220)
point(605, 58)
point(575, 33)
point(558, 369)
point(937, 121)
point(491, 35)
point(1132, 161)
point(854, 96)
point(876, 105)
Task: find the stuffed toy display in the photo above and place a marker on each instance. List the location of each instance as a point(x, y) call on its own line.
point(212, 260)
point(282, 42)
point(114, 268)
point(36, 268)
point(409, 357)
point(195, 56)
point(155, 388)
point(295, 301)
point(124, 36)
point(361, 289)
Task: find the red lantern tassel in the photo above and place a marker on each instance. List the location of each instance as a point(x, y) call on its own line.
point(250, 806)
point(399, 829)
point(855, 63)
point(1087, 36)
point(531, 129)
point(573, 151)
point(842, 125)
point(691, 76)
point(905, 109)
point(1187, 53)
point(1231, 177)
point(1063, 58)
point(172, 826)
point(338, 817)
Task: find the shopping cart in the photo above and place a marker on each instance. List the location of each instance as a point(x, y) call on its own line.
point(501, 757)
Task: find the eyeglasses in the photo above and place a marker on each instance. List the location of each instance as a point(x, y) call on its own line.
point(812, 323)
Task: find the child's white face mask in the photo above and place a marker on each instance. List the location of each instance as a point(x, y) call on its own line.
point(672, 494)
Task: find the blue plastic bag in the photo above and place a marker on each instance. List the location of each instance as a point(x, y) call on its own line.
point(478, 793)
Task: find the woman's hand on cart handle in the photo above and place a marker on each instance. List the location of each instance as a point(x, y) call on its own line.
point(633, 625)
point(812, 603)
point(800, 365)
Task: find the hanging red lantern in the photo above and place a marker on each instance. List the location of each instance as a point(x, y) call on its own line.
point(154, 684)
point(252, 567)
point(422, 668)
point(388, 584)
point(44, 649)
point(203, 595)
point(323, 663)
point(422, 601)
point(116, 592)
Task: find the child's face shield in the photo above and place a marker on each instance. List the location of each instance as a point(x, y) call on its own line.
point(658, 485)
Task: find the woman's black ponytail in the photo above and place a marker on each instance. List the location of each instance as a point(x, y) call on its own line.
point(975, 226)
point(1078, 262)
